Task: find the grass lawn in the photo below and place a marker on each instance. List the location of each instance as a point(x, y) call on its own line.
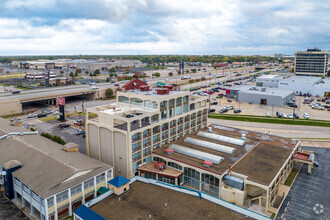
point(292, 175)
point(16, 115)
point(48, 118)
point(262, 119)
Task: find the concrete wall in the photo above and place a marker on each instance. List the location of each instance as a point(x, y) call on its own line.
point(121, 155)
point(93, 150)
point(256, 98)
point(106, 146)
point(10, 107)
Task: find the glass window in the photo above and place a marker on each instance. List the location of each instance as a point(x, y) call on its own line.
point(123, 99)
point(100, 178)
point(158, 159)
point(134, 167)
point(171, 103)
point(148, 159)
point(136, 156)
point(174, 165)
point(185, 108)
point(150, 104)
point(163, 114)
point(75, 190)
point(88, 184)
point(178, 101)
point(154, 118)
point(191, 177)
point(163, 104)
point(136, 101)
point(185, 99)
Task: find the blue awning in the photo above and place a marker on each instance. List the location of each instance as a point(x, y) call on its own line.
point(87, 214)
point(118, 181)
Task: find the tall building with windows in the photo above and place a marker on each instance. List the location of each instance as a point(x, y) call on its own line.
point(124, 134)
point(313, 62)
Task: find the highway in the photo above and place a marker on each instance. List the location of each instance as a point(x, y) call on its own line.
point(295, 131)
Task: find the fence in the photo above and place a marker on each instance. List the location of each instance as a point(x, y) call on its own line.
point(99, 198)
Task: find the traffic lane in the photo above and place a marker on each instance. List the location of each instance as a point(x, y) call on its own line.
point(309, 196)
point(67, 134)
point(298, 131)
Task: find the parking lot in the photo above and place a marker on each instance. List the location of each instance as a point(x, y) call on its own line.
point(309, 197)
point(8, 211)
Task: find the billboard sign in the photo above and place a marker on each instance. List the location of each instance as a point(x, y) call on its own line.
point(60, 101)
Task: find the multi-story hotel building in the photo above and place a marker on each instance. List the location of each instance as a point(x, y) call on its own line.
point(124, 134)
point(313, 62)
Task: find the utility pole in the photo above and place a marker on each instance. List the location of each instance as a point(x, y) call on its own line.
point(293, 114)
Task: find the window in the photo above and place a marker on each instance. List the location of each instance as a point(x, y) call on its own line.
point(158, 159)
point(146, 142)
point(137, 101)
point(146, 133)
point(178, 106)
point(136, 156)
point(155, 138)
point(154, 118)
point(100, 178)
point(135, 137)
point(109, 175)
point(163, 114)
point(75, 190)
point(88, 184)
point(210, 184)
point(185, 108)
point(185, 99)
point(146, 152)
point(134, 167)
point(123, 99)
point(166, 179)
point(174, 165)
point(150, 104)
point(62, 196)
point(136, 146)
point(171, 108)
point(50, 202)
point(192, 107)
point(191, 177)
point(150, 175)
point(163, 104)
point(155, 146)
point(148, 159)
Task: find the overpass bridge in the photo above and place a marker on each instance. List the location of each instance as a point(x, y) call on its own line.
point(12, 103)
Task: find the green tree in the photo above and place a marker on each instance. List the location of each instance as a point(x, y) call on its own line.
point(97, 72)
point(193, 70)
point(108, 80)
point(170, 74)
point(112, 70)
point(328, 73)
point(109, 93)
point(71, 74)
point(90, 74)
point(143, 76)
point(179, 72)
point(156, 74)
point(187, 71)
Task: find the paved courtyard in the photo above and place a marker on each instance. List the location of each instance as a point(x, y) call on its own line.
point(8, 211)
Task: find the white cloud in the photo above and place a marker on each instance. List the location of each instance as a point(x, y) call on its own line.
point(163, 26)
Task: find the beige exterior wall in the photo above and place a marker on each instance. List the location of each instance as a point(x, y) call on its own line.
point(10, 107)
point(116, 150)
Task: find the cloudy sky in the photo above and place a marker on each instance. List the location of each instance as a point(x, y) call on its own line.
point(44, 27)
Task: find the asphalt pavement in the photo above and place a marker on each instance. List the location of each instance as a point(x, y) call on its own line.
point(296, 131)
point(309, 196)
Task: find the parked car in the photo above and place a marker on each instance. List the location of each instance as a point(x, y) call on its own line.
point(78, 122)
point(284, 115)
point(237, 111)
point(79, 132)
point(64, 125)
point(229, 100)
point(267, 114)
point(47, 111)
point(32, 115)
point(306, 116)
point(16, 92)
point(295, 115)
point(290, 116)
point(212, 110)
point(223, 110)
point(41, 115)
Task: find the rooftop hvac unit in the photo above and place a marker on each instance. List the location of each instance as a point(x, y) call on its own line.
point(196, 153)
point(209, 145)
point(162, 91)
point(263, 89)
point(221, 138)
point(234, 182)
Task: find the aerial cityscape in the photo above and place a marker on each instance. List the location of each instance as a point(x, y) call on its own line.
point(164, 110)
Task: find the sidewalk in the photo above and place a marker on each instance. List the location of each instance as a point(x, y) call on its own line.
point(315, 143)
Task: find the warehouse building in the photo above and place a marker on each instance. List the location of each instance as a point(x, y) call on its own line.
point(316, 86)
point(312, 62)
point(125, 133)
point(261, 95)
point(44, 178)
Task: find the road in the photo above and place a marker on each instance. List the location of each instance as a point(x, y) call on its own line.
point(296, 131)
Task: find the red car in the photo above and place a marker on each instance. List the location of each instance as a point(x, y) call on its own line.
point(229, 100)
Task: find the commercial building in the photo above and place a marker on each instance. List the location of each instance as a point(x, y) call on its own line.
point(44, 179)
point(242, 167)
point(316, 86)
point(260, 95)
point(313, 62)
point(125, 133)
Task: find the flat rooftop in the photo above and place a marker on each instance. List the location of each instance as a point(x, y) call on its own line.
point(301, 79)
point(153, 92)
point(124, 110)
point(144, 199)
point(263, 91)
point(262, 152)
point(269, 76)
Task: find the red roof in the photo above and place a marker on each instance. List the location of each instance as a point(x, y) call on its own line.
point(134, 84)
point(302, 156)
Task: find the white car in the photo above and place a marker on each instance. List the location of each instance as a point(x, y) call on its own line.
point(290, 116)
point(32, 115)
point(267, 114)
point(214, 98)
point(306, 116)
point(284, 115)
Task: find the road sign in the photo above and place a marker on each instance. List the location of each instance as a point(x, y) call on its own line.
point(60, 101)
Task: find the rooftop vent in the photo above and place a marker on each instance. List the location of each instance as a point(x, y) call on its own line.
point(210, 145)
point(221, 138)
point(50, 153)
point(243, 137)
point(169, 151)
point(210, 130)
point(207, 163)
